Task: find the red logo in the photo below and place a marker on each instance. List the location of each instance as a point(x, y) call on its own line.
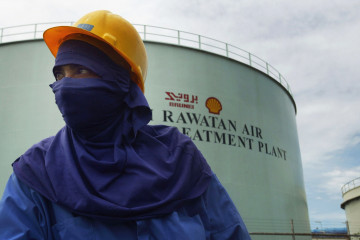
point(213, 105)
point(181, 100)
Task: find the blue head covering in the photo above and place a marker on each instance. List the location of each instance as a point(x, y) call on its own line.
point(107, 162)
point(91, 106)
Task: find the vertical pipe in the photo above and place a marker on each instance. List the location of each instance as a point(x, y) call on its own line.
point(35, 31)
point(348, 229)
point(199, 41)
point(1, 34)
point(292, 229)
point(227, 49)
point(250, 59)
point(267, 68)
point(178, 37)
point(280, 78)
point(144, 32)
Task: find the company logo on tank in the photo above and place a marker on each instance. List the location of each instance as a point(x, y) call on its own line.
point(201, 120)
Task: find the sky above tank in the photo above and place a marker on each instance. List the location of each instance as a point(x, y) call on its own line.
point(314, 44)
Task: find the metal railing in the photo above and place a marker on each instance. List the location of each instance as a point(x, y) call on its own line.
point(350, 185)
point(27, 32)
point(339, 236)
point(290, 230)
point(164, 35)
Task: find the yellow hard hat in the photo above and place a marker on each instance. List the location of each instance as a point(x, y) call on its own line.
point(108, 32)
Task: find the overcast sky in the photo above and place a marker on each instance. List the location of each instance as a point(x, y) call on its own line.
point(314, 44)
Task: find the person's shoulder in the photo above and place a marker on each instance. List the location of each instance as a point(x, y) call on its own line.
point(20, 191)
point(15, 186)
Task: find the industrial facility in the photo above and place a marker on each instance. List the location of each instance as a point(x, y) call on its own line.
point(236, 107)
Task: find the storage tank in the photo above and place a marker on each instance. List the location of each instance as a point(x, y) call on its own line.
point(236, 107)
point(351, 205)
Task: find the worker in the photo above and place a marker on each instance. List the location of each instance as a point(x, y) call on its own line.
point(107, 174)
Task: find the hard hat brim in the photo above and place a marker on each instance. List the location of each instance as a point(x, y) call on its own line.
point(55, 36)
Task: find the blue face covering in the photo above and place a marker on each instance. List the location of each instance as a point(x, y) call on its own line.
point(107, 162)
point(89, 105)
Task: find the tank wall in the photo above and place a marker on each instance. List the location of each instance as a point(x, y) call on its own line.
point(28, 112)
point(352, 209)
point(263, 174)
point(251, 144)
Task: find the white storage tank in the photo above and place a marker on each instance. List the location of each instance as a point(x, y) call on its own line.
point(351, 205)
point(240, 113)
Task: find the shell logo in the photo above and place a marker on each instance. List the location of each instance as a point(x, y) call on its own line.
point(214, 105)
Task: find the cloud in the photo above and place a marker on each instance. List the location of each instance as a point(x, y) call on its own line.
point(338, 178)
point(328, 124)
